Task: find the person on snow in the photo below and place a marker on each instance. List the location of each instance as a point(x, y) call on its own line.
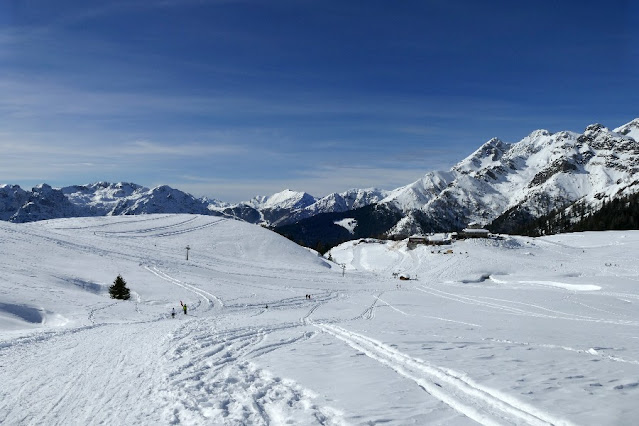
point(184, 307)
point(173, 313)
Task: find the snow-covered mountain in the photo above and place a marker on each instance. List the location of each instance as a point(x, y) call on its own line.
point(12, 197)
point(288, 206)
point(286, 199)
point(501, 182)
point(161, 199)
point(527, 179)
point(96, 199)
point(101, 198)
point(43, 202)
point(349, 200)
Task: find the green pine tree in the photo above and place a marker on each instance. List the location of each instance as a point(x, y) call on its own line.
point(119, 290)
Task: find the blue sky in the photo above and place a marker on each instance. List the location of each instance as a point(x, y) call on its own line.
point(231, 99)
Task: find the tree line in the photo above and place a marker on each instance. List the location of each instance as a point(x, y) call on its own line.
point(618, 214)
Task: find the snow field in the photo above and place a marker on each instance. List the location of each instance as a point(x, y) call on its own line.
point(513, 331)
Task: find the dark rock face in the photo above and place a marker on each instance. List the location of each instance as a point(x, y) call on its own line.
point(12, 197)
point(45, 203)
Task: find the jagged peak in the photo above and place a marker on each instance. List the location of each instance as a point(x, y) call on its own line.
point(44, 189)
point(537, 141)
point(487, 154)
point(10, 186)
point(163, 188)
point(349, 199)
point(539, 133)
point(595, 128)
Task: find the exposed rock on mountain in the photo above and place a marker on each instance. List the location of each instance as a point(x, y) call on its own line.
point(12, 197)
point(45, 203)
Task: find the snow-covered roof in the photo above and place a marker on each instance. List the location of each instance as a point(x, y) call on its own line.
point(476, 231)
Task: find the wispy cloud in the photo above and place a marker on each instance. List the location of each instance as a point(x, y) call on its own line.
point(145, 147)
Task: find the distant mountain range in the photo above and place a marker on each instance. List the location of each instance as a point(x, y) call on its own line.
point(503, 184)
point(97, 199)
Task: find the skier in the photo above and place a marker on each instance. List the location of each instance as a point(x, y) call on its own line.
point(184, 307)
point(173, 313)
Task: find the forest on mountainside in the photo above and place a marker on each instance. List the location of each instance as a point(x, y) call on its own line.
point(614, 215)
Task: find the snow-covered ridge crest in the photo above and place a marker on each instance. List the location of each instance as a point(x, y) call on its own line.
point(289, 206)
point(631, 129)
point(286, 199)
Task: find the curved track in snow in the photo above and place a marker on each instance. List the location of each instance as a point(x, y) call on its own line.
point(484, 405)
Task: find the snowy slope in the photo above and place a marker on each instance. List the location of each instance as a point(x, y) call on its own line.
point(514, 331)
point(631, 129)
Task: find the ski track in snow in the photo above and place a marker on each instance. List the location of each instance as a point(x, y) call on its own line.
point(161, 231)
point(599, 352)
point(457, 390)
point(425, 316)
point(209, 298)
point(76, 390)
point(507, 307)
point(206, 361)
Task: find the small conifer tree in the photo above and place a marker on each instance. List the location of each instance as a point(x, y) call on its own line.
point(119, 290)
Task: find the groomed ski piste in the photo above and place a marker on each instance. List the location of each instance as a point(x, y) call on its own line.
point(512, 331)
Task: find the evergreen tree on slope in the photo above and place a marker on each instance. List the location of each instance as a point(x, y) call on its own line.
point(119, 290)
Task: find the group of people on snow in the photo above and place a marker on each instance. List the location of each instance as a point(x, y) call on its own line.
point(184, 308)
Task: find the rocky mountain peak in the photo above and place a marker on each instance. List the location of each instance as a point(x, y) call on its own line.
point(490, 153)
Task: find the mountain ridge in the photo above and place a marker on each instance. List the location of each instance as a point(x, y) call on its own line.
point(507, 182)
